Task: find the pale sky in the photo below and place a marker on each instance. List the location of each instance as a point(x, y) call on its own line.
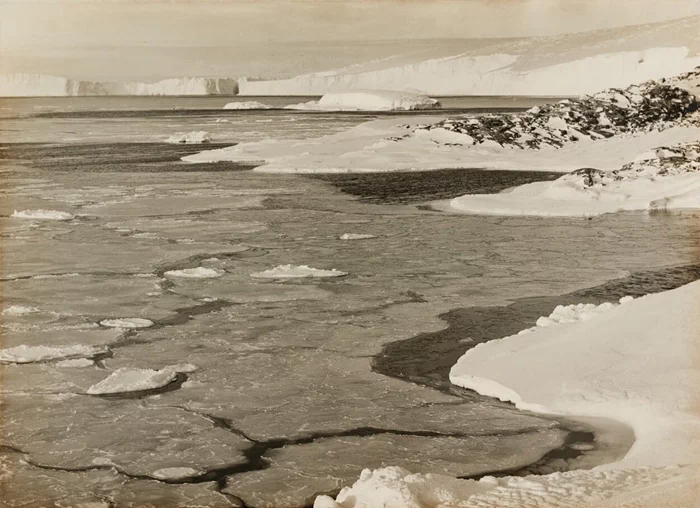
point(151, 39)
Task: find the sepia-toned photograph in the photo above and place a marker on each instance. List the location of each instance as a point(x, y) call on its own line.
point(349, 253)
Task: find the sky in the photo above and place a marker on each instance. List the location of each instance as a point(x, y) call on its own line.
point(151, 39)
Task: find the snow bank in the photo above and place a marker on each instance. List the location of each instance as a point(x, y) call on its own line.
point(634, 362)
point(30, 354)
point(296, 272)
point(196, 273)
point(368, 100)
point(247, 105)
point(190, 137)
point(127, 323)
point(42, 215)
point(134, 380)
point(39, 85)
point(660, 179)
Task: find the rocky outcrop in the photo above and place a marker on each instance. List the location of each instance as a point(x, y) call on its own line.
point(638, 108)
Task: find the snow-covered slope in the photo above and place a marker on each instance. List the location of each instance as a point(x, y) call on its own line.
point(39, 85)
point(570, 64)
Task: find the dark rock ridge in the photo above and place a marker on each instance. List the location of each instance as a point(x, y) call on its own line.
point(653, 105)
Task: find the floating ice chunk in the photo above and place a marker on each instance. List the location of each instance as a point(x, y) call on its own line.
point(76, 363)
point(127, 323)
point(133, 380)
point(19, 310)
point(42, 215)
point(247, 105)
point(190, 137)
point(356, 236)
point(196, 273)
point(295, 272)
point(176, 473)
point(574, 313)
point(31, 354)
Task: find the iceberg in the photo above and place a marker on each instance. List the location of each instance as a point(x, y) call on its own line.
point(368, 100)
point(247, 105)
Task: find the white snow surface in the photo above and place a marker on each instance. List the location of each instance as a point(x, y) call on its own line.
point(41, 215)
point(41, 85)
point(296, 272)
point(127, 323)
point(368, 100)
point(30, 354)
point(635, 362)
point(661, 179)
point(190, 137)
point(132, 380)
point(196, 273)
point(247, 105)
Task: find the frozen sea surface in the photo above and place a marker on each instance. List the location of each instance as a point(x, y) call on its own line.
point(262, 392)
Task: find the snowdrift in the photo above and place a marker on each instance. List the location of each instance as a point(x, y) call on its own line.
point(368, 100)
point(39, 85)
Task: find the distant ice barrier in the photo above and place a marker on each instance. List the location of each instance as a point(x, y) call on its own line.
point(41, 85)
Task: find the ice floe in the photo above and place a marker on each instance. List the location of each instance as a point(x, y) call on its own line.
point(196, 273)
point(190, 137)
point(175, 473)
point(42, 215)
point(19, 310)
point(127, 323)
point(295, 272)
point(31, 354)
point(356, 236)
point(125, 380)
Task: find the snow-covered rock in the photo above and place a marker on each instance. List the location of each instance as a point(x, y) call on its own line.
point(660, 179)
point(42, 215)
point(368, 100)
point(637, 108)
point(296, 272)
point(247, 105)
point(190, 137)
point(32, 85)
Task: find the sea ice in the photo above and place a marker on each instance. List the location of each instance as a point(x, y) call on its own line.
point(42, 215)
point(294, 272)
point(19, 310)
point(133, 380)
point(31, 354)
point(196, 273)
point(356, 236)
point(127, 323)
point(633, 362)
point(175, 473)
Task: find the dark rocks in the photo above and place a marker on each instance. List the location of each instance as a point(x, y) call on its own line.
point(638, 108)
